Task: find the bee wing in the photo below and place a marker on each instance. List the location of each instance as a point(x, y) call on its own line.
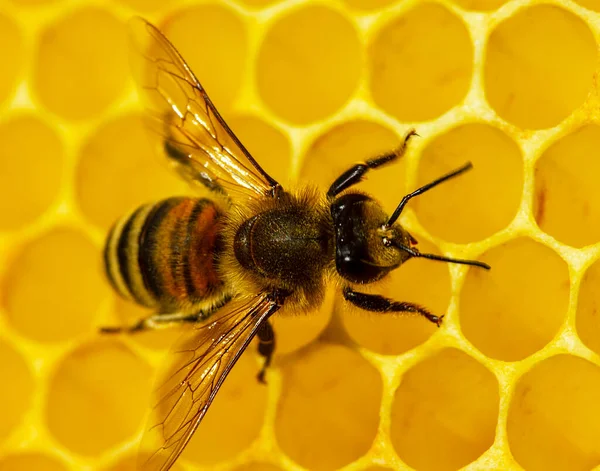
point(195, 137)
point(201, 362)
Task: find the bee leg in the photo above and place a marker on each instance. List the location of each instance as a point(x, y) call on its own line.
point(266, 347)
point(156, 321)
point(182, 158)
point(377, 303)
point(356, 173)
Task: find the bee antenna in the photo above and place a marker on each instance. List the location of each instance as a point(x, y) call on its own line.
point(415, 253)
point(396, 214)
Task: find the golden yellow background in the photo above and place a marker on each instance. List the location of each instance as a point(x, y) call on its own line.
point(510, 381)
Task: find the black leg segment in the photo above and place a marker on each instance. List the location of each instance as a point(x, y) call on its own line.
point(156, 321)
point(356, 173)
point(377, 303)
point(266, 347)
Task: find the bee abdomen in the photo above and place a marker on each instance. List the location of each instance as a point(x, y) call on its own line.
point(163, 255)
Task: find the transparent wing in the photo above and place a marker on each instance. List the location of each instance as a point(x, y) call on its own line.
point(200, 364)
point(194, 136)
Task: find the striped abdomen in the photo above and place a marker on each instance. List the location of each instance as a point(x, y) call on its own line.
point(163, 255)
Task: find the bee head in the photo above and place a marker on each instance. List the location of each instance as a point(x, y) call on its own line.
point(366, 247)
point(369, 244)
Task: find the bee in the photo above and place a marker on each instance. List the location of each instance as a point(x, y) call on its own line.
point(227, 263)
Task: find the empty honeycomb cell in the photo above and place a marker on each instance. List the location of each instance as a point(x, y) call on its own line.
point(294, 331)
point(130, 462)
point(539, 66)
point(347, 144)
point(12, 54)
point(567, 200)
point(420, 281)
point(34, 3)
point(235, 418)
point(118, 170)
point(259, 3)
point(269, 146)
point(213, 40)
point(258, 467)
point(552, 421)
point(518, 306)
point(328, 411)
point(588, 308)
point(81, 65)
point(590, 4)
point(14, 400)
point(325, 68)
point(31, 157)
point(54, 286)
point(445, 412)
point(480, 5)
point(97, 397)
point(479, 203)
point(145, 6)
point(31, 462)
point(368, 4)
point(416, 75)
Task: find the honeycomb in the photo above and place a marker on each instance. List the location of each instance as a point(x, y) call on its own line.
point(510, 381)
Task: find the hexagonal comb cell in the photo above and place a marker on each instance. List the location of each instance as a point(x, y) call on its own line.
point(214, 43)
point(588, 320)
point(130, 462)
point(567, 201)
point(415, 75)
point(258, 467)
point(97, 397)
point(14, 400)
point(31, 156)
point(267, 144)
point(480, 5)
point(119, 163)
point(31, 461)
point(335, 394)
point(553, 417)
point(54, 286)
point(517, 307)
point(447, 403)
point(11, 47)
point(325, 70)
point(474, 205)
point(539, 66)
point(88, 46)
point(420, 281)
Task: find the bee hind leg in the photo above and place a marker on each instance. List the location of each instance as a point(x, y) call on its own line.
point(266, 348)
point(153, 322)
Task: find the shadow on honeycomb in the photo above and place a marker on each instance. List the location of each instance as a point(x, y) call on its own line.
point(510, 381)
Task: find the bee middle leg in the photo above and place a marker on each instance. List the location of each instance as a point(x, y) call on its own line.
point(377, 303)
point(266, 347)
point(356, 173)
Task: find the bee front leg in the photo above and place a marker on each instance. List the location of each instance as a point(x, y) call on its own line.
point(357, 172)
point(377, 303)
point(266, 347)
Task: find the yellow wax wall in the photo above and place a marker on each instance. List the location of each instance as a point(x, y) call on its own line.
point(512, 378)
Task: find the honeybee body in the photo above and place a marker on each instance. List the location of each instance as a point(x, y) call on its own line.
point(189, 254)
point(253, 250)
